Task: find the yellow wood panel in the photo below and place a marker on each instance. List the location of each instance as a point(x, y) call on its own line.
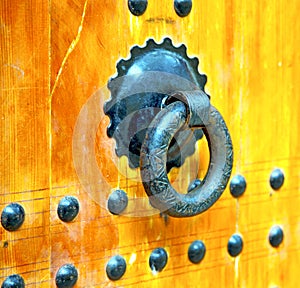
point(106, 33)
point(24, 133)
point(248, 50)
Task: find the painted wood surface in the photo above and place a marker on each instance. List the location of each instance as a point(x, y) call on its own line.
point(57, 55)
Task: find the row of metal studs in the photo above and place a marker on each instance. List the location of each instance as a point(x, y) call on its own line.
point(138, 7)
point(13, 216)
point(67, 275)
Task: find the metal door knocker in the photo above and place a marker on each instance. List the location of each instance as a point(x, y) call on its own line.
point(158, 110)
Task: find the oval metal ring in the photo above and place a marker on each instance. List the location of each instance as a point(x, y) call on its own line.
point(154, 155)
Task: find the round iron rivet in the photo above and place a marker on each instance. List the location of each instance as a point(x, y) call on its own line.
point(196, 251)
point(66, 276)
point(235, 245)
point(12, 217)
point(116, 267)
point(276, 179)
point(158, 259)
point(137, 7)
point(183, 7)
point(237, 186)
point(68, 208)
point(193, 185)
point(117, 202)
point(13, 281)
point(276, 236)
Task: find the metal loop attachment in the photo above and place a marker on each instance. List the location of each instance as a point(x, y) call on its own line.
point(197, 104)
point(193, 109)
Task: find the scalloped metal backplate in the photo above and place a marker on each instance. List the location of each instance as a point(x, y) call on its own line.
point(143, 81)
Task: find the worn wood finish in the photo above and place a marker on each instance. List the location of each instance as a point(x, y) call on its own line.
point(57, 54)
point(25, 145)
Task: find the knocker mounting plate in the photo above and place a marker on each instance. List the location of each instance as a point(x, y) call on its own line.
point(143, 82)
point(156, 110)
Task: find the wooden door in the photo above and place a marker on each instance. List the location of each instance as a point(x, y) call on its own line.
point(56, 55)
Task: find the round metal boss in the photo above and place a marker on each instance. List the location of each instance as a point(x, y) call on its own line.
point(117, 202)
point(158, 259)
point(116, 267)
point(13, 281)
point(183, 7)
point(276, 236)
point(12, 217)
point(137, 7)
point(235, 245)
point(196, 251)
point(66, 276)
point(237, 186)
point(276, 179)
point(68, 208)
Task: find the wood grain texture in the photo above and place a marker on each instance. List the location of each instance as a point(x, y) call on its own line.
point(56, 55)
point(24, 130)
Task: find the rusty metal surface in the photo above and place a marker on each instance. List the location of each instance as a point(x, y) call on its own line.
point(154, 152)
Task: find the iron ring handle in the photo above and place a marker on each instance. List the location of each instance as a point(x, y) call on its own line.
point(154, 155)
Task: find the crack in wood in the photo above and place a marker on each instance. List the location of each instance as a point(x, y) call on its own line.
point(70, 49)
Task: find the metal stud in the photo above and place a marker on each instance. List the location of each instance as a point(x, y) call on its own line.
point(237, 186)
point(158, 259)
point(116, 267)
point(235, 245)
point(68, 208)
point(117, 202)
point(13, 281)
point(66, 276)
point(12, 217)
point(137, 7)
point(196, 251)
point(276, 236)
point(193, 185)
point(183, 7)
point(276, 179)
